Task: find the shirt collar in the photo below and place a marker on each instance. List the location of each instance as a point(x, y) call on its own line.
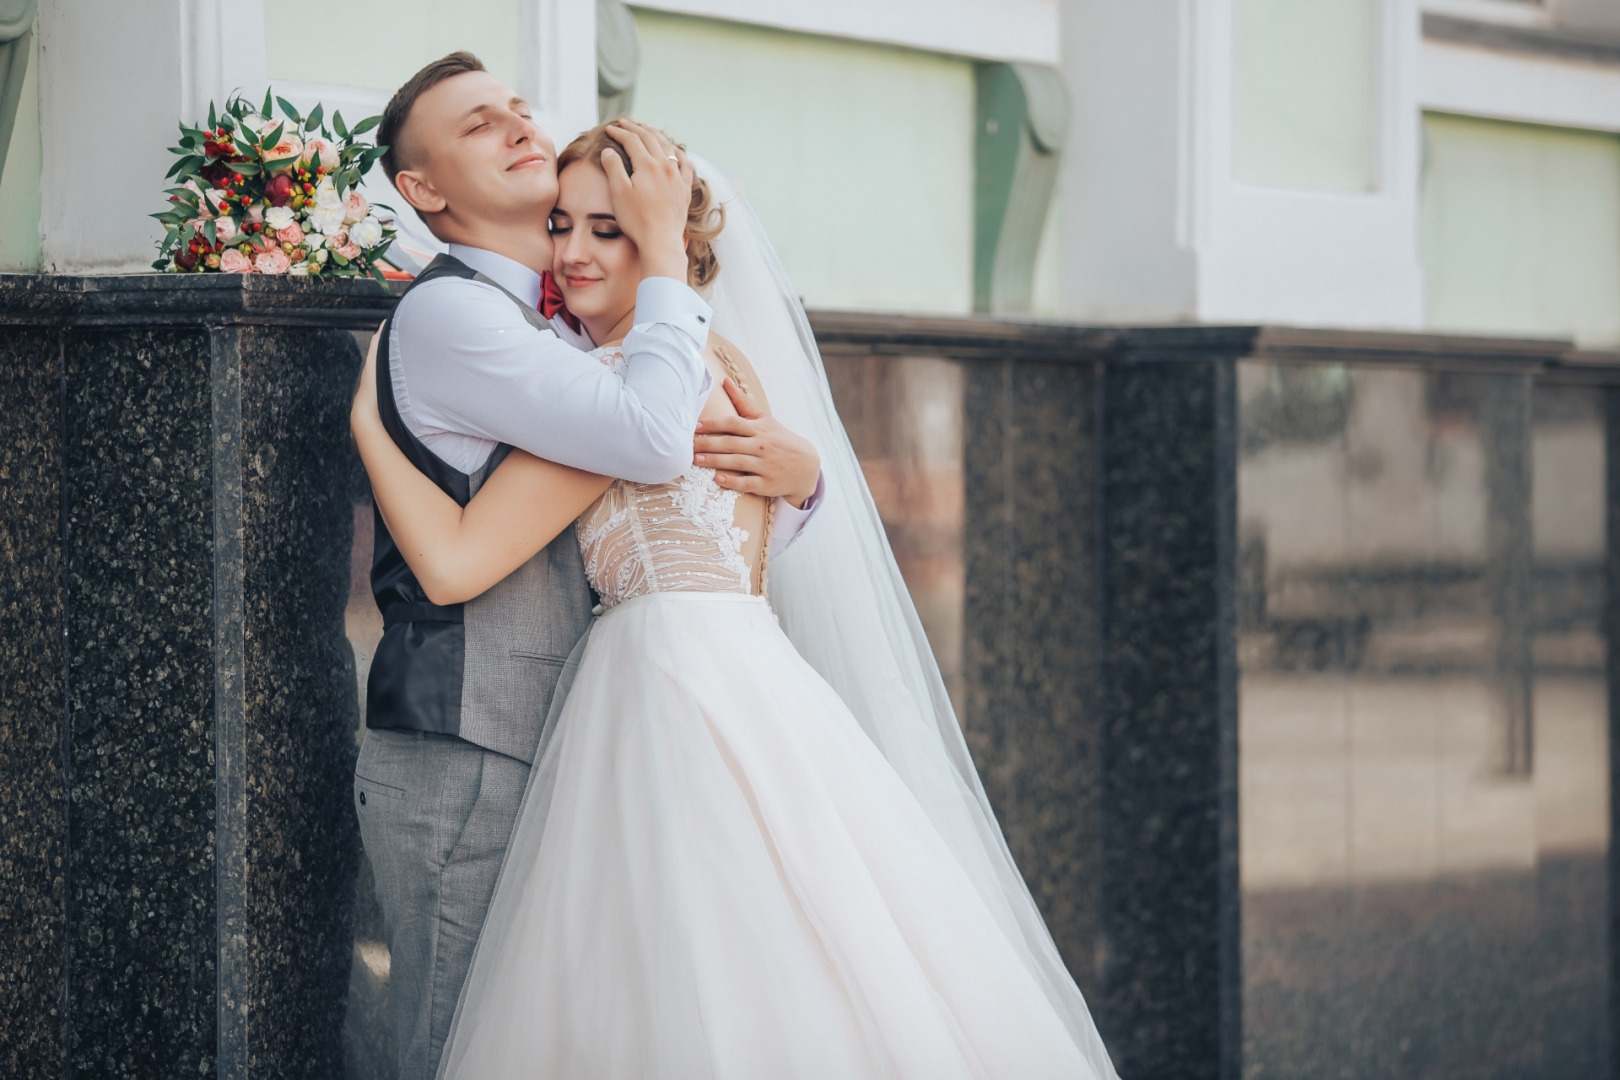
point(509, 274)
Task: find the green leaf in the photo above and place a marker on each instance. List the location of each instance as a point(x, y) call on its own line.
point(315, 115)
point(365, 125)
point(176, 167)
point(288, 111)
point(265, 112)
point(213, 120)
point(378, 274)
point(161, 264)
point(271, 139)
point(338, 125)
point(246, 168)
point(210, 232)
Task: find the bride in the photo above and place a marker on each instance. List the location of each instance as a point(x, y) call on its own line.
point(753, 843)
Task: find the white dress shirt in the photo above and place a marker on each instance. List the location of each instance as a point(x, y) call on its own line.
point(470, 372)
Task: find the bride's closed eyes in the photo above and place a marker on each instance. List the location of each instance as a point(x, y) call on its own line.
point(603, 226)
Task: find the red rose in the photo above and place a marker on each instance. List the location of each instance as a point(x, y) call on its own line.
point(216, 174)
point(279, 190)
point(185, 260)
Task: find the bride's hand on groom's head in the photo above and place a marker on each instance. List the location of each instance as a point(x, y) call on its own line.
point(754, 453)
point(651, 200)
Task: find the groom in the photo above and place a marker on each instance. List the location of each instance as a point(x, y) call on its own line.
point(468, 367)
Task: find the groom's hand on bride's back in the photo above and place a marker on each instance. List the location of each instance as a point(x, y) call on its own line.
point(754, 453)
point(651, 199)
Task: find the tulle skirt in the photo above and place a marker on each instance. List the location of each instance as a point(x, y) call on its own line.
point(717, 875)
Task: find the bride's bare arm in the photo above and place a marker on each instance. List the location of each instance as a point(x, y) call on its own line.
point(455, 552)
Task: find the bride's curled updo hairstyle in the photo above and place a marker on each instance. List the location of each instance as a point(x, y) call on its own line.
point(705, 217)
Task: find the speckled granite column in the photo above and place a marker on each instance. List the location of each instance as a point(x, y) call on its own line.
point(1031, 651)
point(176, 511)
point(1169, 828)
point(33, 790)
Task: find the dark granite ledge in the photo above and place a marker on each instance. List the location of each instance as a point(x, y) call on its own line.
point(1559, 43)
point(984, 337)
point(210, 299)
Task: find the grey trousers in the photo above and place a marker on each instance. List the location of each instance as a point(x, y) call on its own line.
point(436, 814)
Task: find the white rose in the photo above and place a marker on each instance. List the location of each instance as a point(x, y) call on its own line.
point(298, 269)
point(326, 197)
point(320, 256)
point(277, 218)
point(326, 219)
point(313, 240)
point(366, 232)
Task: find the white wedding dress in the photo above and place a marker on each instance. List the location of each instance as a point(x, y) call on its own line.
point(717, 873)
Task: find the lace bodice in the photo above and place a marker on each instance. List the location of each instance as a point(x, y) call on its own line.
point(674, 537)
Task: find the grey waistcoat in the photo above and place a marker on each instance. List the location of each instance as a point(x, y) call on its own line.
point(484, 670)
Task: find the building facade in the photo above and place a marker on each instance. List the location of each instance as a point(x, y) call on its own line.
point(1021, 227)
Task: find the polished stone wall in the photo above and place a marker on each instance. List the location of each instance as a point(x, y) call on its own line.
point(179, 701)
point(1283, 656)
point(1284, 660)
point(1425, 723)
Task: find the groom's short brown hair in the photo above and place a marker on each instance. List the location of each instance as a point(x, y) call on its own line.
point(399, 106)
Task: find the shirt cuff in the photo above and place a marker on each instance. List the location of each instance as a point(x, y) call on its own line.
point(788, 521)
point(673, 303)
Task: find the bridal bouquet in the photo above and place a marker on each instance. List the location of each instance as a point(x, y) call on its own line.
point(263, 196)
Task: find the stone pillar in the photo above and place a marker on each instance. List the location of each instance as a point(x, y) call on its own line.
point(1170, 914)
point(179, 703)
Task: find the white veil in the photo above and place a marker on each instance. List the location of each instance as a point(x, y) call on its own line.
point(840, 598)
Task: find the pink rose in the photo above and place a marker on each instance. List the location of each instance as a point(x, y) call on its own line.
point(225, 228)
point(348, 249)
point(232, 261)
point(255, 213)
point(271, 262)
point(292, 234)
point(285, 154)
point(355, 207)
point(322, 148)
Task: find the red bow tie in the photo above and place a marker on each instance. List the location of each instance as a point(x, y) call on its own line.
point(551, 302)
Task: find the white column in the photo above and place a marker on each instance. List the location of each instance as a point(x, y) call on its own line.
point(1127, 184)
point(1315, 256)
point(1156, 225)
point(109, 95)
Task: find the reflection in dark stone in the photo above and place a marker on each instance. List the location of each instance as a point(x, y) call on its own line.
point(1505, 436)
point(1411, 907)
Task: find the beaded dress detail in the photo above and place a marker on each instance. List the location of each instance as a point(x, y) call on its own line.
point(674, 537)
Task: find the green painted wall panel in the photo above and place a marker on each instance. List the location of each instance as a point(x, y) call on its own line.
point(1521, 230)
point(858, 158)
point(381, 43)
point(1303, 93)
point(19, 184)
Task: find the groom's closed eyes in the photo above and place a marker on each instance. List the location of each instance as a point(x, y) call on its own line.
point(479, 117)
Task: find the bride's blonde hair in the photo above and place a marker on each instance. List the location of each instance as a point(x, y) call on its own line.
point(705, 217)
